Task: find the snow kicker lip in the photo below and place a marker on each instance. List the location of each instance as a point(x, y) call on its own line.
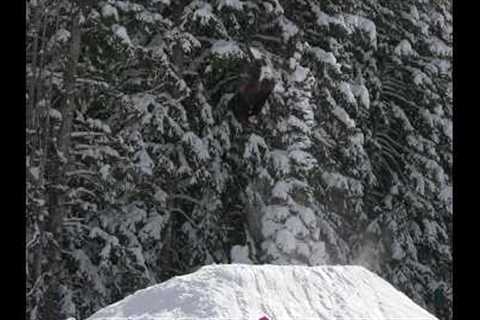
point(246, 292)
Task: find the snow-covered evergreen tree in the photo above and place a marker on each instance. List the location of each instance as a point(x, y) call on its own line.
point(141, 165)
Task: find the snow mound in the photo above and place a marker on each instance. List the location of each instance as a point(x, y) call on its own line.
point(249, 292)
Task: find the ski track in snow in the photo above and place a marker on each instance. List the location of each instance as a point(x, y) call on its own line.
point(247, 292)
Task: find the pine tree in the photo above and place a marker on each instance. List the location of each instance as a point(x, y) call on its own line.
point(142, 166)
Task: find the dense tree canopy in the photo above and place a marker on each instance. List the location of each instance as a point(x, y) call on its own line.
point(140, 167)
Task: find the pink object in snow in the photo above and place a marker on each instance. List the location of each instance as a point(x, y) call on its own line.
point(263, 318)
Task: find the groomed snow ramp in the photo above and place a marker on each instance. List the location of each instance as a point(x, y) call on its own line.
point(248, 292)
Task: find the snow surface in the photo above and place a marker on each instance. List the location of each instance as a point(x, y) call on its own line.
point(239, 254)
point(363, 24)
point(239, 291)
point(343, 116)
point(205, 14)
point(227, 49)
point(404, 48)
point(233, 4)
point(348, 22)
point(121, 32)
point(326, 57)
point(109, 11)
point(288, 27)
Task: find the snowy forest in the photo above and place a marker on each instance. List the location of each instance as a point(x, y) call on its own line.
point(145, 159)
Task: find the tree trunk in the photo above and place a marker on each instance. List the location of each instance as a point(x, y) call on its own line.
point(57, 165)
point(30, 114)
